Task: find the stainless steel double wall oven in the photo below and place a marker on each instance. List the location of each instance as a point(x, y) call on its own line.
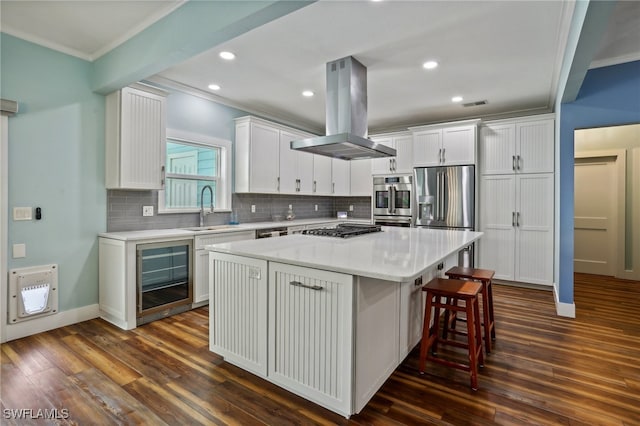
point(393, 200)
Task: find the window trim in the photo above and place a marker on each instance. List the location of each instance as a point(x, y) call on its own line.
point(223, 183)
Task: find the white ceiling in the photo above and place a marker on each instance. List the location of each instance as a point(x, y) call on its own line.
point(507, 53)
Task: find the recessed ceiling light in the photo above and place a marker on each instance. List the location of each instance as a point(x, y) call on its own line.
point(307, 93)
point(456, 99)
point(214, 87)
point(429, 65)
point(227, 55)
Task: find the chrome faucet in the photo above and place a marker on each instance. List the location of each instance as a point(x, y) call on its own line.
point(202, 213)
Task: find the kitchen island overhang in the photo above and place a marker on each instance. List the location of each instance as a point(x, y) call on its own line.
point(325, 318)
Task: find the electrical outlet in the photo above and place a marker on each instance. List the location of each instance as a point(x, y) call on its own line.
point(316, 207)
point(290, 206)
point(351, 207)
point(147, 210)
point(253, 208)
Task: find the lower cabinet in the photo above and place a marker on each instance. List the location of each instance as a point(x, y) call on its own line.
point(310, 333)
point(517, 221)
point(201, 280)
point(238, 311)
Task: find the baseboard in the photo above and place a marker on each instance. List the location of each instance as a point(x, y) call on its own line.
point(564, 309)
point(50, 322)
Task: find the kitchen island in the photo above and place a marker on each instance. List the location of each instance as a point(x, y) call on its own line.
point(327, 318)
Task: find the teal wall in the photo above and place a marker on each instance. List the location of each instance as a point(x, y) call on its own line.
point(56, 162)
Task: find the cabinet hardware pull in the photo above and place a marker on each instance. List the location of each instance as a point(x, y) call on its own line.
point(395, 165)
point(163, 176)
point(390, 164)
point(513, 218)
point(315, 184)
point(310, 287)
point(513, 162)
point(278, 188)
point(443, 149)
point(518, 163)
point(333, 187)
point(518, 219)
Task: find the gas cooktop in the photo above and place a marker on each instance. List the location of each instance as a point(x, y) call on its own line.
point(344, 231)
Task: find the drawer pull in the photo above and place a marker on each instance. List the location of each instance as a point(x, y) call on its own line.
point(310, 287)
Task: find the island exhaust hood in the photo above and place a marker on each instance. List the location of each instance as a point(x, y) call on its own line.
point(346, 116)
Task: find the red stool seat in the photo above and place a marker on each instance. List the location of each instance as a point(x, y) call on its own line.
point(484, 276)
point(440, 293)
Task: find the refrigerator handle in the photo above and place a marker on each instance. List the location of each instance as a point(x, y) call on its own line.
point(441, 210)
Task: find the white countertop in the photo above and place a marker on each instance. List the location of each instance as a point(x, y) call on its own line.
point(152, 234)
point(396, 254)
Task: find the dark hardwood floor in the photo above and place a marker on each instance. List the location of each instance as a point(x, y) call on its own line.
point(543, 370)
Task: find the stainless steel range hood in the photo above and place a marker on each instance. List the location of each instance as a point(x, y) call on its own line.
point(346, 116)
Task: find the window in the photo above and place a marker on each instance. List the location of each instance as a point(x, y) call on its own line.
point(193, 162)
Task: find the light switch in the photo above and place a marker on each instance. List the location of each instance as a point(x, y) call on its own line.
point(19, 250)
point(22, 213)
point(253, 208)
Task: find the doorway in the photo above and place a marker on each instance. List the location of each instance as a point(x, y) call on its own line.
point(598, 204)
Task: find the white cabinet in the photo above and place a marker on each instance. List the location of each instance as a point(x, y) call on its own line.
point(361, 181)
point(201, 277)
point(403, 161)
point(517, 220)
point(341, 177)
point(322, 182)
point(296, 167)
point(238, 311)
point(257, 156)
point(135, 130)
point(265, 162)
point(517, 146)
point(310, 333)
point(445, 144)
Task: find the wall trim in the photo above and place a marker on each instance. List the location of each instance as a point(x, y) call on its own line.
point(50, 322)
point(563, 309)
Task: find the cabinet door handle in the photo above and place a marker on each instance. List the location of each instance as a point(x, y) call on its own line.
point(333, 187)
point(278, 184)
point(162, 176)
point(518, 219)
point(518, 163)
point(513, 218)
point(315, 185)
point(395, 165)
point(513, 162)
point(310, 287)
point(443, 149)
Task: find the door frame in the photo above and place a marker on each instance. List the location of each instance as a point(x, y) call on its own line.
point(620, 167)
point(4, 220)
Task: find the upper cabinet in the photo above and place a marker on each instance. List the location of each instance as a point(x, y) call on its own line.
point(296, 167)
point(445, 144)
point(265, 163)
point(361, 182)
point(135, 131)
point(524, 145)
point(402, 162)
point(341, 177)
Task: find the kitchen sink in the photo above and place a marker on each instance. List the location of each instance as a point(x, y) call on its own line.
point(210, 228)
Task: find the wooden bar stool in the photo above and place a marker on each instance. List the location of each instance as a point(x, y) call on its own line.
point(440, 294)
point(484, 276)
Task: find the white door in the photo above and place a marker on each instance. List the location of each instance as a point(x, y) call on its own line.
point(404, 151)
point(321, 175)
point(497, 149)
point(265, 154)
point(534, 228)
point(535, 147)
point(458, 145)
point(497, 216)
point(427, 148)
point(341, 175)
point(596, 203)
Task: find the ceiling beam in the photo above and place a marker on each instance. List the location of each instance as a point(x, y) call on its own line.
point(594, 26)
point(193, 28)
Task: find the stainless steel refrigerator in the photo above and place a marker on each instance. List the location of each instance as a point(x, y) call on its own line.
point(445, 199)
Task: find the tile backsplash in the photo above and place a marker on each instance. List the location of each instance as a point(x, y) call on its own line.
point(124, 210)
